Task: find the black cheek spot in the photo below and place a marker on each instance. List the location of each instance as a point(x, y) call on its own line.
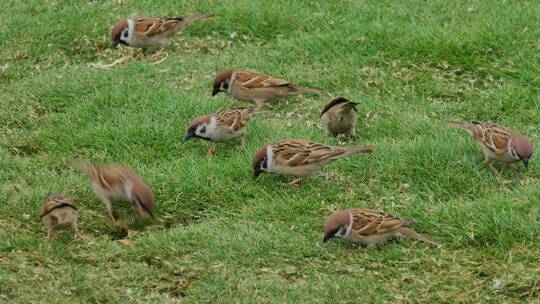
point(203, 130)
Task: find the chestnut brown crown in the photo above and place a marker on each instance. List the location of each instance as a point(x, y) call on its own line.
point(337, 220)
point(523, 148)
point(221, 77)
point(117, 30)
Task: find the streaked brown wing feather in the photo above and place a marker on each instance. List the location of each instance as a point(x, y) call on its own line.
point(302, 152)
point(370, 222)
point(233, 119)
point(493, 136)
point(252, 80)
point(153, 26)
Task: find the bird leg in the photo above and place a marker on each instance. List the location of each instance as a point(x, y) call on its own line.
point(259, 106)
point(243, 144)
point(78, 235)
point(490, 165)
point(352, 133)
point(108, 204)
point(296, 182)
point(156, 54)
point(50, 233)
point(212, 150)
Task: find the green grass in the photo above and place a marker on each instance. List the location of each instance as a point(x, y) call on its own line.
point(222, 237)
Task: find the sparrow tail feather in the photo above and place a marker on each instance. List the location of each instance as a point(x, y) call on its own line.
point(459, 124)
point(306, 91)
point(409, 233)
point(198, 17)
point(356, 150)
point(82, 165)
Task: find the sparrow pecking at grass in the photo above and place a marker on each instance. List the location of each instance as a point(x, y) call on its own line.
point(498, 143)
point(221, 126)
point(369, 227)
point(115, 182)
point(299, 157)
point(150, 32)
point(255, 87)
point(59, 212)
point(339, 117)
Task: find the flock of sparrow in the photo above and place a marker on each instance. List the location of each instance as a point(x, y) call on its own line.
point(299, 158)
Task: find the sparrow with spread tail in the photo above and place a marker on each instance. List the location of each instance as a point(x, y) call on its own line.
point(151, 31)
point(369, 227)
point(115, 182)
point(299, 157)
point(339, 117)
point(255, 87)
point(221, 126)
point(498, 143)
point(58, 212)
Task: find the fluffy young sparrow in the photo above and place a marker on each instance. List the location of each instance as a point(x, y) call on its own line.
point(498, 143)
point(299, 157)
point(221, 126)
point(59, 212)
point(114, 182)
point(369, 227)
point(150, 32)
point(255, 87)
point(339, 117)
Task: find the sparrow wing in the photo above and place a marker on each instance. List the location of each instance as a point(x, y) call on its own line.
point(339, 101)
point(233, 119)
point(371, 222)
point(50, 205)
point(252, 80)
point(110, 177)
point(151, 26)
point(494, 137)
point(302, 152)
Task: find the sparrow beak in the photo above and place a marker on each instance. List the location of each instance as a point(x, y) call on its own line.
point(257, 172)
point(115, 44)
point(525, 162)
point(188, 135)
point(215, 91)
point(327, 237)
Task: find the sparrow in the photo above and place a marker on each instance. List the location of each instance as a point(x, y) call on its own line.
point(58, 212)
point(220, 126)
point(339, 117)
point(150, 31)
point(369, 227)
point(299, 157)
point(115, 182)
point(255, 87)
point(498, 143)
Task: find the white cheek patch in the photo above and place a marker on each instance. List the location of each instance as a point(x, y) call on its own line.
point(231, 81)
point(269, 159)
point(131, 29)
point(212, 125)
point(128, 188)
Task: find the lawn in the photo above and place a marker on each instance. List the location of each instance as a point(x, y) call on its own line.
point(220, 236)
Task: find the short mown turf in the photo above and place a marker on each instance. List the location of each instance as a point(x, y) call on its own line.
point(221, 237)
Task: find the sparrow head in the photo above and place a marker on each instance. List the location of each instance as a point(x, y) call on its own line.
point(522, 149)
point(337, 225)
point(55, 197)
point(336, 101)
point(221, 83)
point(120, 33)
point(260, 162)
point(198, 128)
point(143, 197)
